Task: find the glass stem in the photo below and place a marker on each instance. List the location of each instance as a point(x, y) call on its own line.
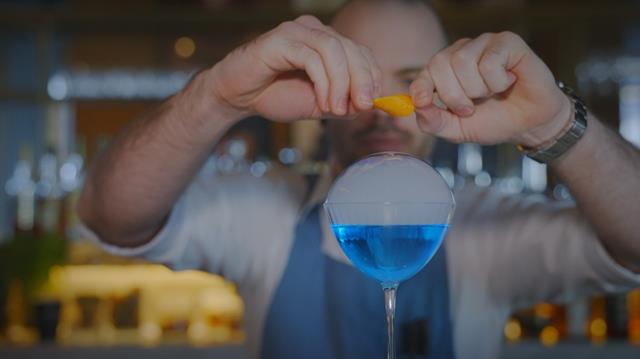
point(390, 306)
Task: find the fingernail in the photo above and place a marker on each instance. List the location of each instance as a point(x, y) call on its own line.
point(466, 111)
point(365, 101)
point(438, 103)
point(422, 97)
point(376, 89)
point(342, 106)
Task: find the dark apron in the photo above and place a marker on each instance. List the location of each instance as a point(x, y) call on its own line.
point(326, 309)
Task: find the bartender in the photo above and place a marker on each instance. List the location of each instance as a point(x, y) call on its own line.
point(146, 196)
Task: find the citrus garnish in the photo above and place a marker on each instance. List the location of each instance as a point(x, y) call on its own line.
point(399, 105)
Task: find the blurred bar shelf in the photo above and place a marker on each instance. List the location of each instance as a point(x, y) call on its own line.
point(160, 352)
point(568, 349)
point(164, 17)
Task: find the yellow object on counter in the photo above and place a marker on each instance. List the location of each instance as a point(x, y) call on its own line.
point(399, 105)
point(209, 305)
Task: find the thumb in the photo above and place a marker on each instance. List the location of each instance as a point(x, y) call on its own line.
point(441, 123)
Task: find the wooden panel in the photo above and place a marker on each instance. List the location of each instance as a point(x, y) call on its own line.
point(113, 50)
point(279, 137)
point(99, 121)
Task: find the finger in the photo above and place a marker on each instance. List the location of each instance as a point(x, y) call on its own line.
point(447, 85)
point(337, 67)
point(309, 60)
point(361, 73)
point(464, 62)
point(492, 68)
point(442, 123)
point(309, 21)
point(376, 73)
point(281, 51)
point(421, 89)
point(333, 57)
point(502, 54)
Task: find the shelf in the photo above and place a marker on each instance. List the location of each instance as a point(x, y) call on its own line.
point(207, 20)
point(582, 349)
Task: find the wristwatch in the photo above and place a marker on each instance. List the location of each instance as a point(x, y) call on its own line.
point(576, 130)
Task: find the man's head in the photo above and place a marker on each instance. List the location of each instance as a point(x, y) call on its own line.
point(402, 35)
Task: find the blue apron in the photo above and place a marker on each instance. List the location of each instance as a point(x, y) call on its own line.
point(326, 309)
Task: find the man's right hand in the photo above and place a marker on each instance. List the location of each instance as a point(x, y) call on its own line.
point(300, 69)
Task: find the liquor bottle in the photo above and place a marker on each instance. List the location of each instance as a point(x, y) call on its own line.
point(577, 318)
point(71, 180)
point(630, 109)
point(48, 195)
point(598, 327)
point(633, 307)
point(51, 247)
point(617, 315)
point(21, 186)
point(534, 175)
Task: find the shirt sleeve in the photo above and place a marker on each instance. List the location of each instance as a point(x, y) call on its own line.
point(174, 244)
point(237, 226)
point(528, 249)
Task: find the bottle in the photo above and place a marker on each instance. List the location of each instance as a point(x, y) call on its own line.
point(617, 315)
point(21, 186)
point(49, 195)
point(51, 247)
point(71, 180)
point(598, 328)
point(630, 110)
point(633, 307)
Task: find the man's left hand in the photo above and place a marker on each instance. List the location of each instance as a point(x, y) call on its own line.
point(495, 89)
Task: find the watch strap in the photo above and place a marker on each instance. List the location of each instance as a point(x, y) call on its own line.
point(575, 131)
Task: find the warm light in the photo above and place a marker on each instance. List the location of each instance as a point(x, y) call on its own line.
point(184, 47)
point(549, 336)
point(598, 328)
point(633, 307)
point(513, 330)
point(544, 310)
point(634, 331)
point(198, 333)
point(20, 335)
point(220, 333)
point(150, 333)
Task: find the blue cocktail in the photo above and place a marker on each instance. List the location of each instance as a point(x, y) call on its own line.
point(390, 253)
point(390, 213)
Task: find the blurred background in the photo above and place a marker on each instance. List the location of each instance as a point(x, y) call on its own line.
point(73, 73)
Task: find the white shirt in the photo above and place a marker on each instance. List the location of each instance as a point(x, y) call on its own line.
point(503, 252)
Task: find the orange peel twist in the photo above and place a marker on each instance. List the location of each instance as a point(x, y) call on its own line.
point(399, 105)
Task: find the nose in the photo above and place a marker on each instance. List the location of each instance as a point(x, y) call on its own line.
point(392, 85)
point(375, 117)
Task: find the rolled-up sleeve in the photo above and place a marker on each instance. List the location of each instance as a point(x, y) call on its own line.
point(198, 223)
point(236, 225)
point(161, 246)
point(527, 249)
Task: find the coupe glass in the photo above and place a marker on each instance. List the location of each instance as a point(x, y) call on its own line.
point(390, 212)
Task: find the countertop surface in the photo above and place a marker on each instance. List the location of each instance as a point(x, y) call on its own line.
point(521, 350)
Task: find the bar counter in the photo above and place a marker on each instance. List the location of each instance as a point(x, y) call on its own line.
point(521, 350)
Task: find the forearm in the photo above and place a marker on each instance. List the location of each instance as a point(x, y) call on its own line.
point(602, 171)
point(133, 186)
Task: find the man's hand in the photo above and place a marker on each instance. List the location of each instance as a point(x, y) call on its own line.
point(495, 90)
point(300, 69)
